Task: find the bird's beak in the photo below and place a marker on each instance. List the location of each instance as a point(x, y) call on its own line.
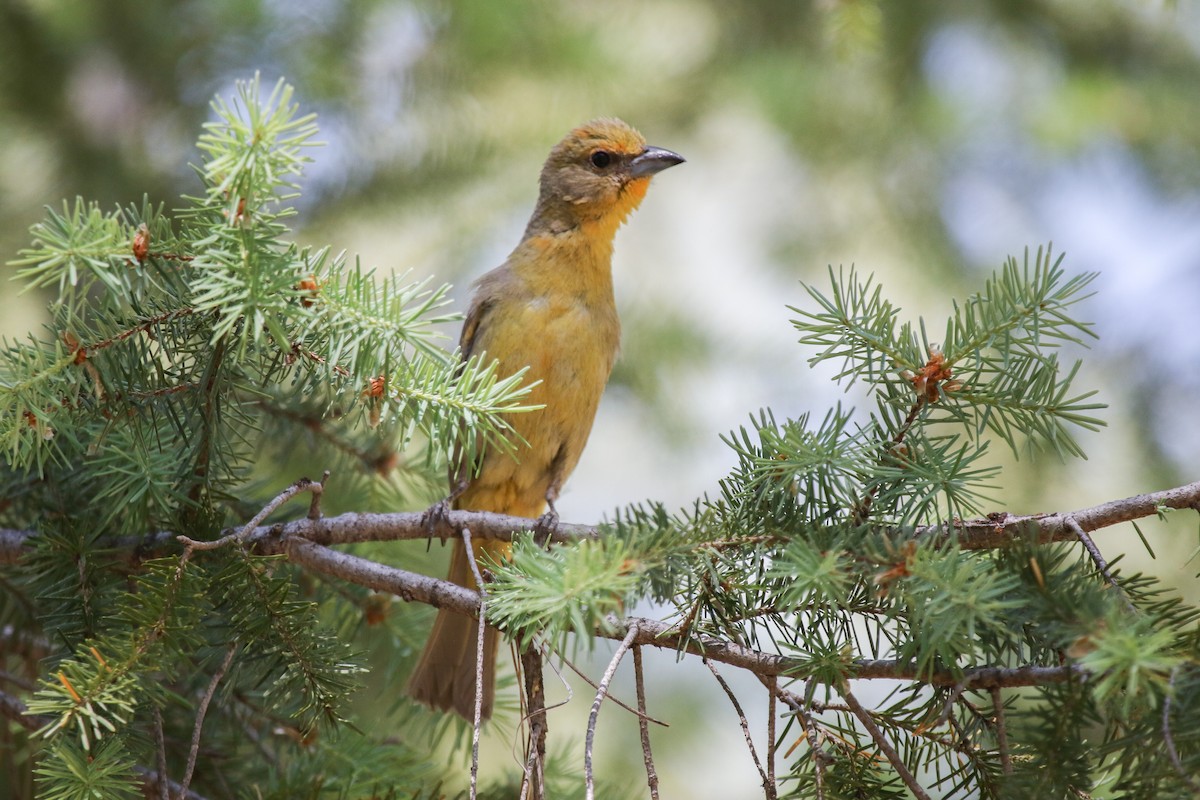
point(653, 160)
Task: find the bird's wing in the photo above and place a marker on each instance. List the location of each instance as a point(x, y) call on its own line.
point(482, 304)
point(476, 314)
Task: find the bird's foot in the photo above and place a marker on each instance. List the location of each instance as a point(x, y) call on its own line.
point(436, 519)
point(545, 527)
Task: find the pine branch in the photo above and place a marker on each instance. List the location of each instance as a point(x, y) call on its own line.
point(992, 532)
point(414, 587)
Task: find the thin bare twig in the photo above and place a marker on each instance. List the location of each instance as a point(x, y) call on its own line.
point(201, 711)
point(317, 489)
point(820, 757)
point(606, 679)
point(643, 725)
point(772, 793)
point(1101, 564)
point(534, 780)
point(160, 744)
point(742, 719)
point(15, 709)
point(1172, 753)
point(482, 627)
point(302, 485)
point(956, 692)
point(1001, 731)
point(612, 698)
point(882, 743)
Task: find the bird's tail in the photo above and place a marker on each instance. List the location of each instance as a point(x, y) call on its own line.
point(445, 675)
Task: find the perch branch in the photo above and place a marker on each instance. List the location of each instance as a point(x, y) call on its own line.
point(745, 725)
point(884, 745)
point(477, 723)
point(593, 718)
point(994, 531)
point(643, 723)
point(452, 597)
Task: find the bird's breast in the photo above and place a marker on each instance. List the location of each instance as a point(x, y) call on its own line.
point(569, 343)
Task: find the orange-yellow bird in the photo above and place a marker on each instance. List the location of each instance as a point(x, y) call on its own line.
point(549, 307)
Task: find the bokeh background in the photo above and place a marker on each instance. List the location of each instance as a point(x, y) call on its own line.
point(923, 142)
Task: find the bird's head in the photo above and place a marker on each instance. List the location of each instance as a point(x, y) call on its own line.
point(598, 174)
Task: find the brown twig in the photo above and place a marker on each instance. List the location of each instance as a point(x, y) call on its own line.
point(1097, 557)
point(882, 743)
point(479, 666)
point(601, 691)
point(772, 792)
point(534, 780)
point(83, 352)
point(612, 698)
point(643, 726)
point(302, 485)
point(16, 680)
point(201, 711)
point(820, 757)
point(160, 746)
point(14, 709)
point(996, 531)
point(745, 725)
point(318, 490)
point(956, 691)
point(443, 594)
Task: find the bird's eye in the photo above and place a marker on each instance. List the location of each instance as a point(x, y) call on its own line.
point(601, 159)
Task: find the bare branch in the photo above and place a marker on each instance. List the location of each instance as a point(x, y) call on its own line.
point(17, 680)
point(612, 698)
point(482, 628)
point(160, 746)
point(14, 709)
point(626, 643)
point(978, 534)
point(745, 725)
point(201, 711)
point(443, 594)
point(884, 745)
point(534, 780)
point(643, 726)
point(317, 489)
point(772, 792)
point(1101, 564)
point(820, 757)
point(999, 529)
point(302, 485)
point(364, 572)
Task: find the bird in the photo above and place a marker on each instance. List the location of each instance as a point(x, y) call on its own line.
point(550, 309)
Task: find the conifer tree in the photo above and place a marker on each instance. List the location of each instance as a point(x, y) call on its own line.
point(171, 625)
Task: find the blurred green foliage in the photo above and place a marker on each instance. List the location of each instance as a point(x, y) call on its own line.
point(835, 130)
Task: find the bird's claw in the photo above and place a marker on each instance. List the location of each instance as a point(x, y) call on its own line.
point(545, 527)
point(436, 518)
